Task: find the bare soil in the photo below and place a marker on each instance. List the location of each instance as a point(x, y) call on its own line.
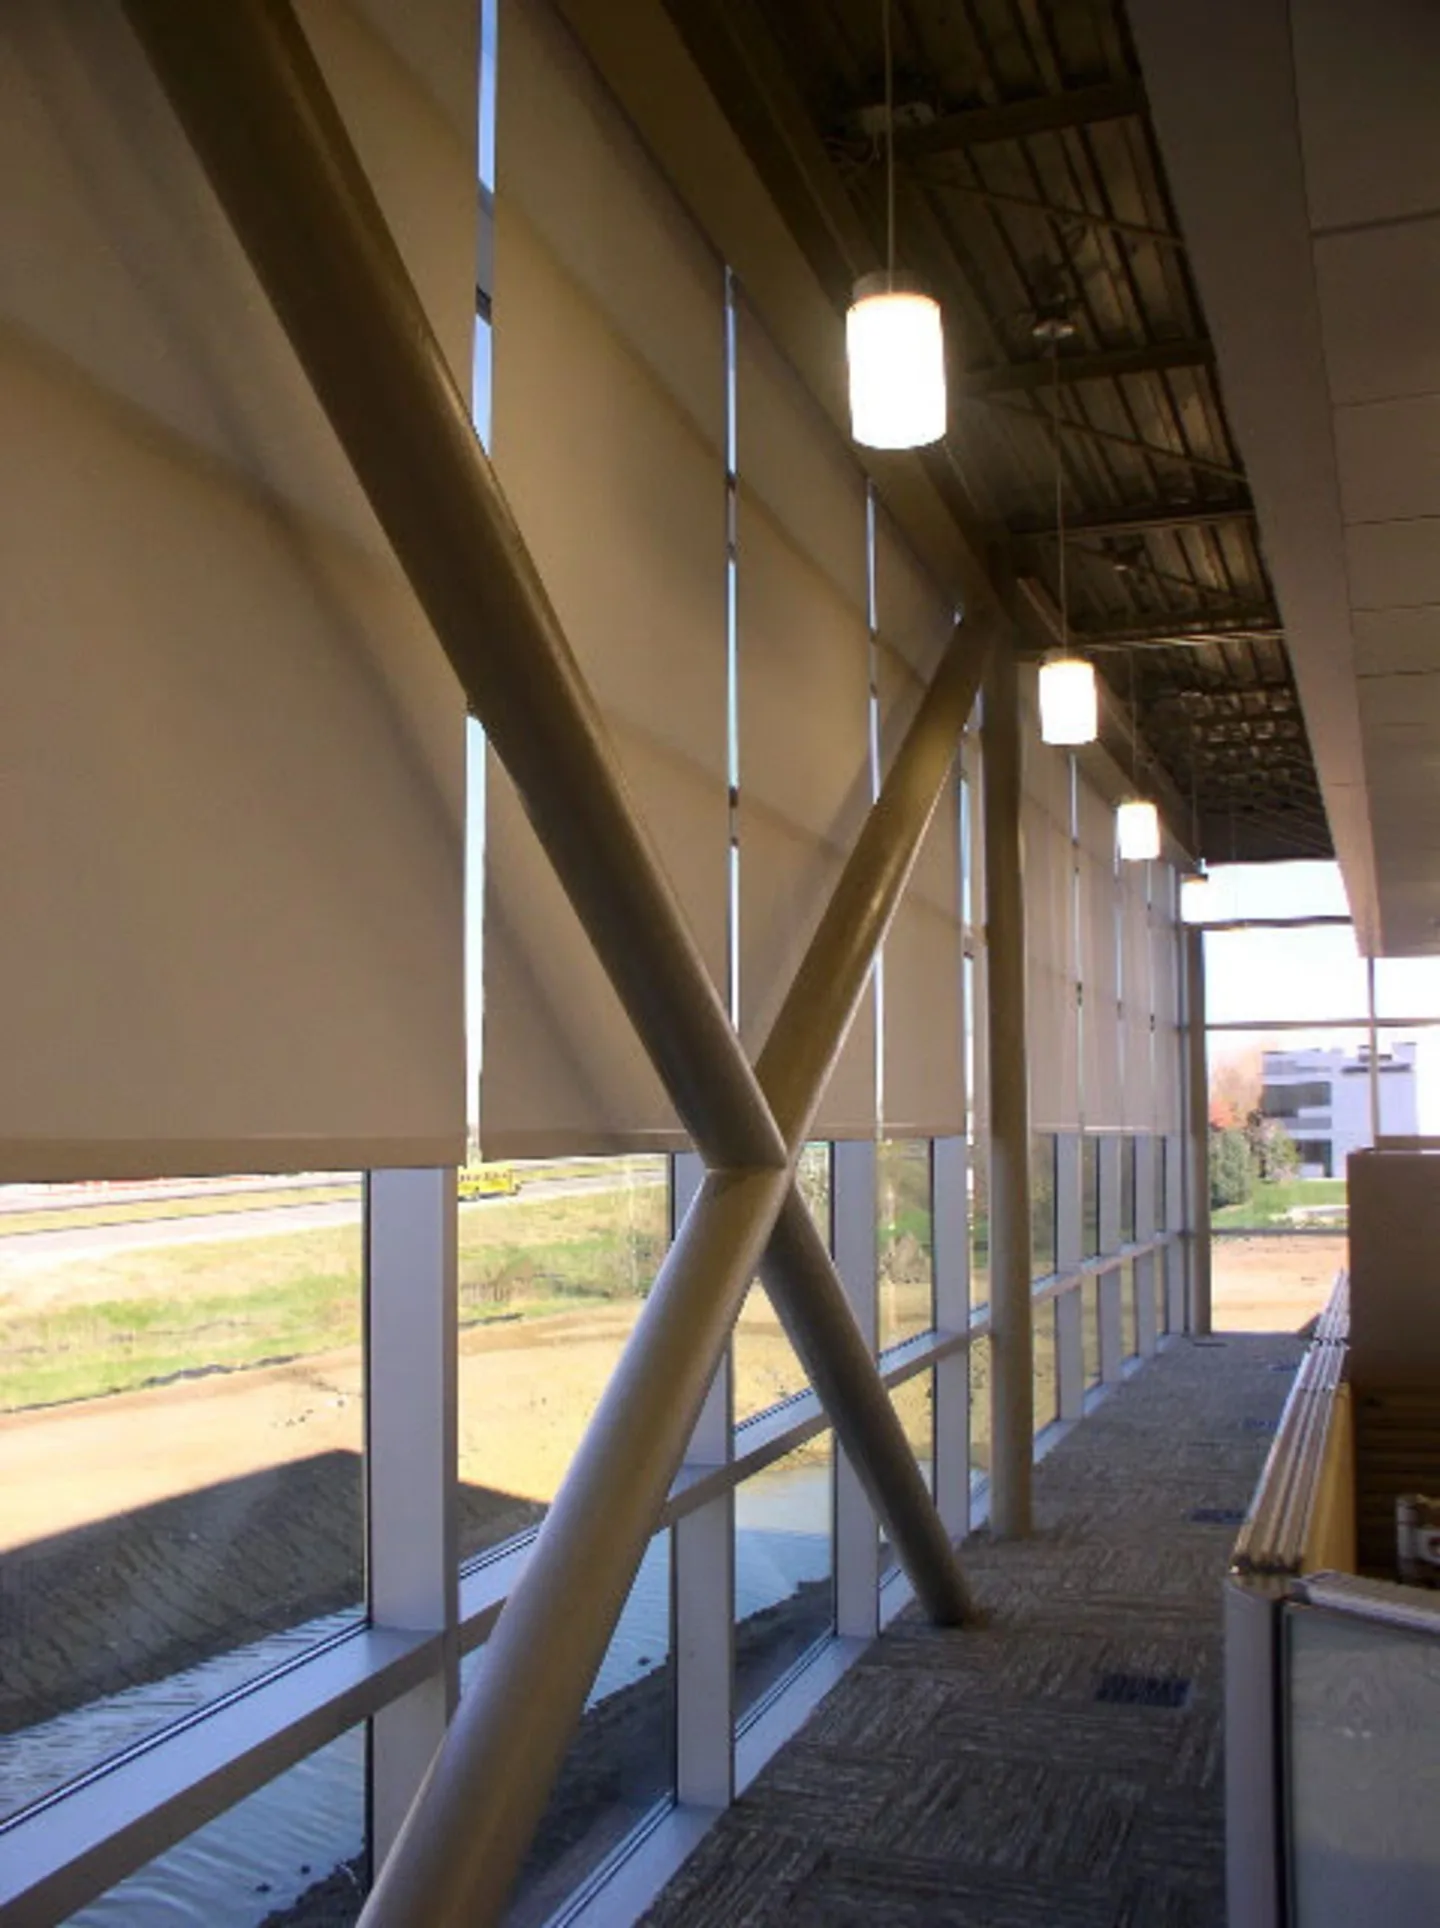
point(1273, 1283)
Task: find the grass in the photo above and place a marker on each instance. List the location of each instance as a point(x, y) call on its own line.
point(1272, 1204)
point(139, 1318)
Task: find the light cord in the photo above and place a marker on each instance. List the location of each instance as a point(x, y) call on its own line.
point(889, 145)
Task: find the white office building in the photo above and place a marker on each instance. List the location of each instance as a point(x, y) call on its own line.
point(1323, 1100)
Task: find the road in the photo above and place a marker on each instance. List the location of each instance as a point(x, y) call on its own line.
point(25, 1251)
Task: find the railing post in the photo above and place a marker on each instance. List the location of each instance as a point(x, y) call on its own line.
point(1012, 1339)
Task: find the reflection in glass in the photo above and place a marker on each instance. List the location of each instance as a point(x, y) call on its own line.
point(904, 1239)
point(621, 1762)
point(552, 1278)
point(180, 1464)
point(914, 1402)
point(1090, 1330)
point(1129, 1313)
point(1043, 1148)
point(979, 1406)
point(784, 1588)
point(1089, 1197)
point(291, 1855)
point(1127, 1190)
point(767, 1369)
point(1045, 1378)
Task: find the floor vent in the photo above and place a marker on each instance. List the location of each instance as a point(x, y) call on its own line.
point(1218, 1516)
point(1259, 1425)
point(1144, 1690)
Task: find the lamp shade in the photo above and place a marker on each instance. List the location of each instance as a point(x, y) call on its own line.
point(896, 348)
point(1137, 830)
point(1069, 711)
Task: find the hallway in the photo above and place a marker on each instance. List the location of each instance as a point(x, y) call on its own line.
point(1059, 1766)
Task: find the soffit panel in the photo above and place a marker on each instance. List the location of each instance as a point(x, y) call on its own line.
point(1376, 350)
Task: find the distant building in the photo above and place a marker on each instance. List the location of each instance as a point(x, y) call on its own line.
point(1322, 1098)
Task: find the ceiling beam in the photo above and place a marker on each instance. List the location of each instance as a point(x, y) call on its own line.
point(1136, 522)
point(1105, 365)
point(1179, 635)
point(1147, 451)
point(1043, 114)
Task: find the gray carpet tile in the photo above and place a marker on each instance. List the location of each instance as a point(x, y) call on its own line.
point(971, 1778)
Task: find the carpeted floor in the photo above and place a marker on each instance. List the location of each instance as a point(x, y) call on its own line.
point(1060, 1765)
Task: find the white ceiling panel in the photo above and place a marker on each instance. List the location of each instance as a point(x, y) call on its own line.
point(1397, 641)
point(1389, 456)
point(1400, 706)
point(1394, 565)
point(1367, 83)
point(1380, 310)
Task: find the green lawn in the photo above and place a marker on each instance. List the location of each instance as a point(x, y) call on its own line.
point(1285, 1203)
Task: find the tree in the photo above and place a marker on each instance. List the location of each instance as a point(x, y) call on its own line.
point(1232, 1166)
point(1235, 1087)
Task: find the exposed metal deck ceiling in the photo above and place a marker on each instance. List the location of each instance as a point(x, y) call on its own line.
point(1029, 184)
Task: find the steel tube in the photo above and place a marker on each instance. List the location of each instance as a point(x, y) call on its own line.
point(254, 104)
point(1012, 1393)
point(464, 1838)
point(798, 1275)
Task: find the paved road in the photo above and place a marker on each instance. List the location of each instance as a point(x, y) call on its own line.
point(22, 1251)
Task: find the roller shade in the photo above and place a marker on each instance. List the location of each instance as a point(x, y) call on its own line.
point(1102, 1094)
point(608, 436)
point(231, 752)
point(804, 697)
point(923, 1062)
point(1135, 991)
point(1165, 969)
point(1051, 976)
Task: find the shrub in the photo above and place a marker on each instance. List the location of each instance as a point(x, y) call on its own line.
point(1232, 1167)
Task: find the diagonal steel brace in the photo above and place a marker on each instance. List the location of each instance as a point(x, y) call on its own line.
point(252, 100)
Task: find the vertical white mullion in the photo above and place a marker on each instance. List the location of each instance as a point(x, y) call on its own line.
point(950, 1220)
point(703, 1567)
point(412, 1551)
point(853, 1186)
point(1112, 1325)
point(1069, 1332)
point(1146, 1151)
point(1174, 1224)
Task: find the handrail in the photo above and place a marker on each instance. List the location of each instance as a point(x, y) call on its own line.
point(1387, 1602)
point(1276, 1529)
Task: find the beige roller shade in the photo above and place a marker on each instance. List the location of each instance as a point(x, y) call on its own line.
point(1102, 1091)
point(923, 1063)
point(804, 697)
point(1135, 992)
point(1165, 977)
point(231, 752)
point(1051, 976)
point(608, 436)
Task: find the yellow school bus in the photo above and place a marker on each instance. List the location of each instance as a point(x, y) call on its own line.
point(487, 1181)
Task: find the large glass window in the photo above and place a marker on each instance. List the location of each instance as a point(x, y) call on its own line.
point(979, 1170)
point(767, 1368)
point(556, 1260)
point(1127, 1190)
point(621, 1762)
point(1089, 1197)
point(1129, 1312)
point(292, 1855)
point(980, 1407)
point(1090, 1330)
point(914, 1402)
point(784, 1569)
point(1046, 1379)
point(181, 1427)
point(1043, 1146)
point(905, 1239)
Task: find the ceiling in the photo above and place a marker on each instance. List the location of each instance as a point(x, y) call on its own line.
point(1030, 188)
point(1312, 202)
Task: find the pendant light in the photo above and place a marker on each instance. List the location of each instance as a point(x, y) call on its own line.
point(1069, 706)
point(894, 340)
point(1137, 821)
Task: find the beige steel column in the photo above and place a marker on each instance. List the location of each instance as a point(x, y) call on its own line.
point(1197, 1136)
point(1012, 1392)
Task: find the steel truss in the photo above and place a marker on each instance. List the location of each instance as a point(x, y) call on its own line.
point(252, 100)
